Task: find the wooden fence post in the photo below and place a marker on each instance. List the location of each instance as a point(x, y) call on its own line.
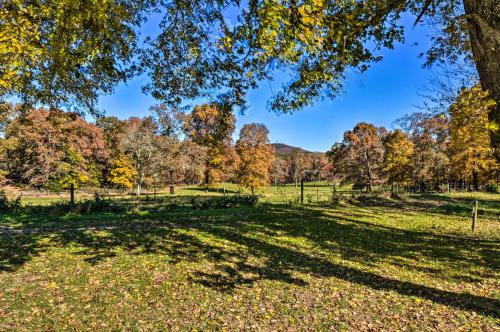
point(302, 191)
point(72, 193)
point(474, 215)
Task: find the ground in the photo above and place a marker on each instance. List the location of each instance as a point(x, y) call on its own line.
point(370, 264)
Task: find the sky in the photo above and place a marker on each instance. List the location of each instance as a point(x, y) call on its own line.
point(388, 90)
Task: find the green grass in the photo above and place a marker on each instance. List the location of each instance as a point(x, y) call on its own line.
point(374, 264)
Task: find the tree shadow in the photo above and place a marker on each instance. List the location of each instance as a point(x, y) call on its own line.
point(241, 246)
point(460, 206)
point(212, 190)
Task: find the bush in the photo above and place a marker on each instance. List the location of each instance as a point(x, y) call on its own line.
point(224, 201)
point(92, 205)
point(492, 188)
point(399, 196)
point(336, 199)
point(7, 205)
point(4, 202)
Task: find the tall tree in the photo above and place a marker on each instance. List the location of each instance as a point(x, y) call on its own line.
point(67, 52)
point(483, 18)
point(429, 135)
point(211, 126)
point(190, 162)
point(45, 57)
point(141, 144)
point(470, 151)
point(398, 150)
point(54, 148)
point(360, 155)
point(279, 170)
point(256, 156)
point(113, 129)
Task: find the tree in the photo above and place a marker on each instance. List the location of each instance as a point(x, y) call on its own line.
point(190, 162)
point(65, 51)
point(46, 58)
point(141, 145)
point(470, 151)
point(211, 126)
point(319, 166)
point(429, 161)
point(256, 156)
point(54, 148)
point(317, 40)
point(398, 150)
point(113, 129)
point(122, 173)
point(360, 155)
point(279, 170)
point(483, 22)
point(297, 166)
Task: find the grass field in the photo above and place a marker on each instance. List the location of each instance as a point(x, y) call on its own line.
point(364, 265)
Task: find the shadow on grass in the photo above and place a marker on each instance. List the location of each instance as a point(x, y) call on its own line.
point(212, 190)
point(244, 245)
point(460, 206)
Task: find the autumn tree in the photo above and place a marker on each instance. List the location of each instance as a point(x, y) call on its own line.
point(51, 147)
point(211, 126)
point(45, 56)
point(190, 162)
point(319, 166)
point(429, 135)
point(359, 157)
point(113, 129)
point(297, 166)
point(279, 170)
point(122, 173)
point(141, 145)
point(470, 151)
point(398, 150)
point(256, 156)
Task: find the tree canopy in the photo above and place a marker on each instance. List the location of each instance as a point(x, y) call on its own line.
point(68, 52)
point(256, 156)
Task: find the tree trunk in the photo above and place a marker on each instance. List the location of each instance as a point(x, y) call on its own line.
point(483, 17)
point(72, 193)
point(475, 181)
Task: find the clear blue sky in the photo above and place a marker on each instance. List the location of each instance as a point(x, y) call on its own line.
point(388, 90)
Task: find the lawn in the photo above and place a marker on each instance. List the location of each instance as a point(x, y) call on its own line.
point(363, 265)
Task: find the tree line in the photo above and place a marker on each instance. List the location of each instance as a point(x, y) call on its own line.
point(52, 149)
point(49, 148)
point(427, 152)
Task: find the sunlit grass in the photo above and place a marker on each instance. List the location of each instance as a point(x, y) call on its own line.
point(373, 264)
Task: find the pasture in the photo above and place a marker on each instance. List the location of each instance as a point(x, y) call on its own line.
point(365, 264)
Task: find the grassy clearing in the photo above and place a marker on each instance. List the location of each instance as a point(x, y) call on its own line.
point(375, 264)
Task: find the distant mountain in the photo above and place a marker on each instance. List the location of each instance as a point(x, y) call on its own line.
point(284, 149)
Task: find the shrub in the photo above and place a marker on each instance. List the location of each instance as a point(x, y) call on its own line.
point(336, 199)
point(492, 188)
point(399, 196)
point(4, 202)
point(7, 205)
point(92, 205)
point(224, 201)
